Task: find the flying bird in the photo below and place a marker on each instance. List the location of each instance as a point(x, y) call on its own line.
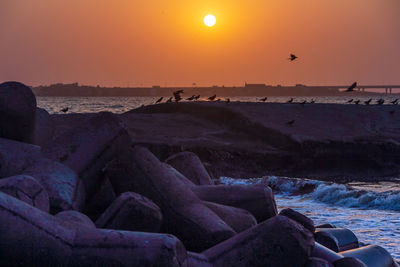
point(293, 57)
point(159, 100)
point(352, 87)
point(368, 101)
point(264, 99)
point(212, 98)
point(357, 102)
point(290, 100)
point(65, 110)
point(351, 100)
point(290, 123)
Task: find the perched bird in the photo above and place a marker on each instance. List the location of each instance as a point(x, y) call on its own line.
point(169, 100)
point(159, 100)
point(212, 98)
point(394, 102)
point(178, 92)
point(392, 112)
point(303, 103)
point(357, 102)
point(264, 99)
point(290, 123)
point(290, 100)
point(191, 98)
point(293, 57)
point(197, 97)
point(177, 98)
point(65, 110)
point(352, 87)
point(351, 100)
point(218, 100)
point(368, 101)
point(312, 101)
point(380, 101)
point(228, 101)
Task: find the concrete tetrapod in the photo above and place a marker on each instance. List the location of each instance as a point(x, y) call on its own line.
point(184, 215)
point(31, 237)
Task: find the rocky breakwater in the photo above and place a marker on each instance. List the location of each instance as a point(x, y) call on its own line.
point(90, 170)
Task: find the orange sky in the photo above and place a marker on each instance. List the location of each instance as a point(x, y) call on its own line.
point(146, 42)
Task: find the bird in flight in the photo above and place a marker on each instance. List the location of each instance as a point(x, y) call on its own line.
point(264, 99)
point(159, 100)
point(293, 57)
point(211, 98)
point(65, 110)
point(351, 88)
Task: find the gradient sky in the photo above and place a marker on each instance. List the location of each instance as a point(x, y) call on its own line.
point(164, 42)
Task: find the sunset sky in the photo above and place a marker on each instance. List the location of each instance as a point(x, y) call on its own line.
point(165, 42)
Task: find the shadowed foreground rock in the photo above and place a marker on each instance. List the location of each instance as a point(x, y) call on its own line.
point(238, 219)
point(26, 189)
point(336, 239)
point(86, 148)
point(75, 218)
point(184, 215)
point(191, 167)
point(278, 241)
point(17, 112)
point(131, 212)
point(258, 200)
point(44, 129)
point(371, 256)
point(300, 218)
point(30, 237)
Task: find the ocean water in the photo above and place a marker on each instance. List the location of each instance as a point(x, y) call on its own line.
point(372, 211)
point(122, 104)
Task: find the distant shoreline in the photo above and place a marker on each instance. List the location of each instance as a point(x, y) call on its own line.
point(75, 90)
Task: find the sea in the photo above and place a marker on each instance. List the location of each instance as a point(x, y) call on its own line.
point(370, 210)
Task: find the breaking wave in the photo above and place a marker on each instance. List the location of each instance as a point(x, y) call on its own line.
point(362, 197)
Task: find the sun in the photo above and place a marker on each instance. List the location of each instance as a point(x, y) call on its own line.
point(210, 20)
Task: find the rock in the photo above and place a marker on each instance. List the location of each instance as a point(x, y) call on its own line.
point(325, 225)
point(131, 212)
point(258, 200)
point(75, 218)
point(180, 176)
point(197, 260)
point(17, 112)
point(371, 256)
point(44, 129)
point(317, 262)
point(300, 218)
point(325, 253)
point(31, 237)
point(191, 167)
point(349, 262)
point(87, 148)
point(184, 215)
point(238, 219)
point(16, 157)
point(101, 200)
point(336, 239)
point(65, 189)
point(26, 189)
point(279, 241)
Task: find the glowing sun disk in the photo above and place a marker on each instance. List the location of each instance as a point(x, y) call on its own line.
point(210, 20)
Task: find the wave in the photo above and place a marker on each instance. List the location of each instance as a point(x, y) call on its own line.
point(329, 193)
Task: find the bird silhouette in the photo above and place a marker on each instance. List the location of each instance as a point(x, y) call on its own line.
point(312, 101)
point(380, 101)
point(290, 100)
point(197, 97)
point(179, 92)
point(394, 102)
point(65, 110)
point(177, 98)
point(228, 101)
point(351, 100)
point(303, 103)
point(264, 99)
point(191, 98)
point(159, 100)
point(211, 98)
point(368, 101)
point(293, 57)
point(357, 102)
point(290, 123)
point(169, 100)
point(351, 88)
